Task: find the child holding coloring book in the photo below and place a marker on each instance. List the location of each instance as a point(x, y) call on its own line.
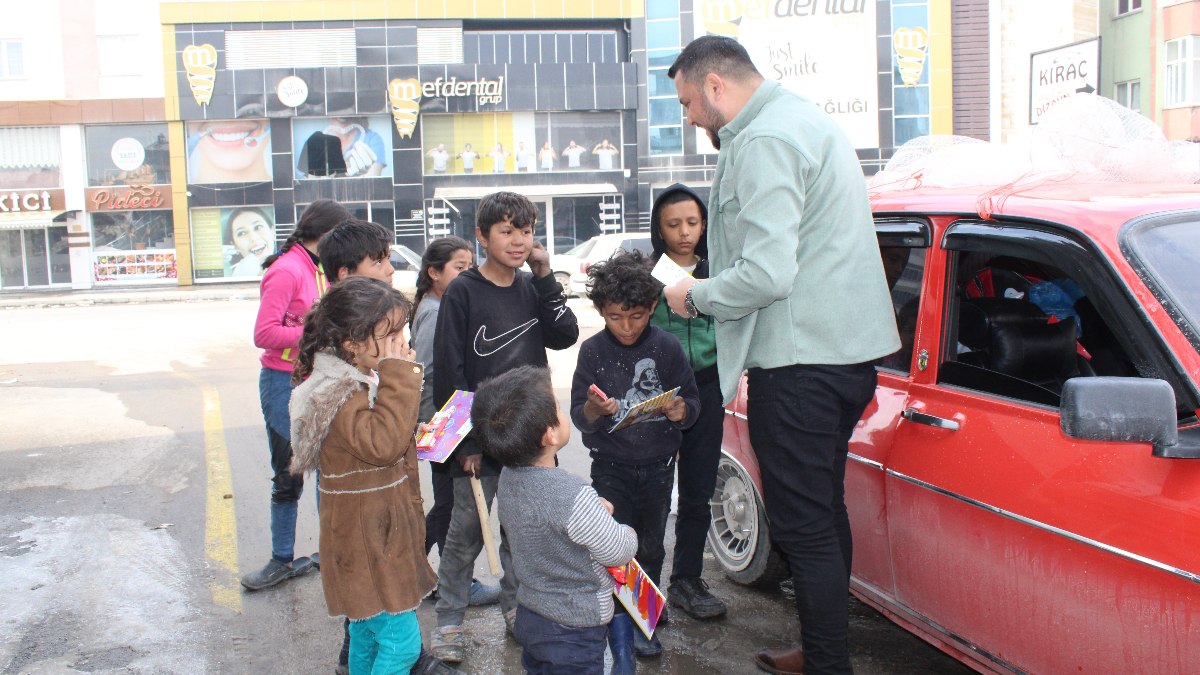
point(353, 420)
point(562, 533)
point(628, 363)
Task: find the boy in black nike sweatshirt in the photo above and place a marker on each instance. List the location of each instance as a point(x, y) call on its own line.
point(631, 361)
point(493, 318)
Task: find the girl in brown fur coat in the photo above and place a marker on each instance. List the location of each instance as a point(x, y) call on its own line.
point(353, 421)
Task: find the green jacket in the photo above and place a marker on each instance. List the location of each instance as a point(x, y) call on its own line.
point(697, 336)
point(796, 276)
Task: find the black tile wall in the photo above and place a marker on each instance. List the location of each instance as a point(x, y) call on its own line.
point(285, 206)
point(257, 193)
point(551, 86)
point(370, 37)
point(371, 56)
point(402, 35)
point(581, 86)
point(522, 92)
point(281, 165)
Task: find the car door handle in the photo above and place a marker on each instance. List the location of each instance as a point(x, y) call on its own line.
point(912, 415)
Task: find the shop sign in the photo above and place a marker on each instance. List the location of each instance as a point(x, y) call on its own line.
point(292, 91)
point(405, 96)
point(132, 198)
point(31, 201)
point(483, 89)
point(200, 62)
point(1056, 74)
point(128, 153)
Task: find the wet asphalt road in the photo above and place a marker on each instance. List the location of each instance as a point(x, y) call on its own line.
point(120, 423)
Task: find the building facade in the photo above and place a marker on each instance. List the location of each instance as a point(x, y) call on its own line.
point(76, 75)
point(407, 117)
point(1150, 57)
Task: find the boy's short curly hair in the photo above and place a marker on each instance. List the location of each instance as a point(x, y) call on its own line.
point(623, 279)
point(512, 411)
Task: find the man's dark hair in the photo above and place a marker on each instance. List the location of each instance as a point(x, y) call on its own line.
point(500, 206)
point(713, 54)
point(511, 412)
point(623, 279)
point(348, 243)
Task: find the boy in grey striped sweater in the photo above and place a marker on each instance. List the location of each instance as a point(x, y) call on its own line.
point(562, 534)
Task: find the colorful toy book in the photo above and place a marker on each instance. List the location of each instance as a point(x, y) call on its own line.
point(640, 597)
point(647, 408)
point(448, 427)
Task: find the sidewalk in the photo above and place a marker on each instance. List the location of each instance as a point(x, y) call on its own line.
point(124, 296)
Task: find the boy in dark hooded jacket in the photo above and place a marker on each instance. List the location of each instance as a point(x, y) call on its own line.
point(677, 228)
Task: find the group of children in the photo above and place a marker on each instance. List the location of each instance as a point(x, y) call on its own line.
point(362, 391)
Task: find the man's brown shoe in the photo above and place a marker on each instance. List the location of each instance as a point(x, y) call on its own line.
point(781, 661)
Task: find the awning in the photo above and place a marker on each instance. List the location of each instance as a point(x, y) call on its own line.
point(29, 148)
point(565, 190)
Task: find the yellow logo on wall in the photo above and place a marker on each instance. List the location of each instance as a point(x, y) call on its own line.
point(722, 17)
point(911, 45)
point(200, 62)
point(405, 99)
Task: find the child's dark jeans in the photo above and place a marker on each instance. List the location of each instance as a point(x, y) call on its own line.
point(641, 499)
point(551, 648)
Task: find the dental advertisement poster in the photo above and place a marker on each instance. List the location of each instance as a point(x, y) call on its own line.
point(229, 151)
point(232, 243)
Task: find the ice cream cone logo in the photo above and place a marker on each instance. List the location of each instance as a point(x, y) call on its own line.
point(200, 61)
point(911, 45)
point(722, 17)
point(405, 98)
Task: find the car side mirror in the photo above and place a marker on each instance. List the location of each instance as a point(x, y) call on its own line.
point(1129, 409)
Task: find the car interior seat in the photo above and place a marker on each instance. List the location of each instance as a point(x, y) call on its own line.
point(1014, 337)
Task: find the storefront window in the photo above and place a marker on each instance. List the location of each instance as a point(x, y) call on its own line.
point(128, 154)
point(526, 142)
point(133, 246)
point(342, 147)
point(229, 151)
point(232, 242)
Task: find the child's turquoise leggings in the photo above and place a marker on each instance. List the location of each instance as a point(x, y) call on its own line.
point(386, 644)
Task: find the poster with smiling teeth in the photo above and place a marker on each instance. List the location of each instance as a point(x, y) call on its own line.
point(229, 151)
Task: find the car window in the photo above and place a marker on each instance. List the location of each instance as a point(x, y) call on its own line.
point(904, 267)
point(1020, 328)
point(640, 244)
point(400, 263)
point(583, 249)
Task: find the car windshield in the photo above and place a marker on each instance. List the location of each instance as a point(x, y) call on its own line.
point(1170, 253)
point(583, 249)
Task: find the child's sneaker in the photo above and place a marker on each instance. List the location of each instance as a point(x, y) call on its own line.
point(275, 572)
point(483, 594)
point(447, 644)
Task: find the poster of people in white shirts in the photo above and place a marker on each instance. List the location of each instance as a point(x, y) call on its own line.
point(825, 50)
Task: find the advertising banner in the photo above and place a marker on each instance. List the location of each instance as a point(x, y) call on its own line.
point(232, 243)
point(342, 147)
point(825, 50)
point(229, 151)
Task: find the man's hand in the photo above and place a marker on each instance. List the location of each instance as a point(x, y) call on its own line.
point(676, 293)
point(539, 260)
point(607, 505)
point(596, 407)
point(676, 410)
point(471, 464)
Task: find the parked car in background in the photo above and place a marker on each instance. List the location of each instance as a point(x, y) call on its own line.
point(598, 248)
point(1024, 491)
point(407, 264)
point(559, 245)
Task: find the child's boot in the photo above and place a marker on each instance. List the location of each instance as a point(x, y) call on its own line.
point(620, 643)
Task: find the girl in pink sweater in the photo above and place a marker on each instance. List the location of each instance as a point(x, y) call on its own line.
point(293, 281)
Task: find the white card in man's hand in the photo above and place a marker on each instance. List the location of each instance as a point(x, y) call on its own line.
point(668, 272)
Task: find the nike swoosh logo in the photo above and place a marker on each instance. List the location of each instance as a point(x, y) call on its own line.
point(485, 346)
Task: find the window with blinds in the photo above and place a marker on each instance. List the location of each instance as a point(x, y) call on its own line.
point(305, 48)
point(439, 45)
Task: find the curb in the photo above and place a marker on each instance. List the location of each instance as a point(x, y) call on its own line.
point(125, 297)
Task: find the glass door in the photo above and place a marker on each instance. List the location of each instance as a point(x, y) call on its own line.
point(34, 257)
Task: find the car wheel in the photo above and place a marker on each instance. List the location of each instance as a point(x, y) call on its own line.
point(739, 534)
point(564, 279)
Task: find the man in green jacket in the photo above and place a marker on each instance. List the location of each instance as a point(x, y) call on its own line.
point(801, 302)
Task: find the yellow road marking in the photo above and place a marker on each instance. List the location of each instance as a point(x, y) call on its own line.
point(220, 521)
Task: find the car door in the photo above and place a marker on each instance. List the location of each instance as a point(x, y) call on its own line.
point(903, 244)
point(1034, 551)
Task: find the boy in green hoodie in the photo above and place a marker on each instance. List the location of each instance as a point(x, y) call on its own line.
point(677, 225)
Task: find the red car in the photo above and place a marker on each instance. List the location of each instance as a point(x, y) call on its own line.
point(1025, 490)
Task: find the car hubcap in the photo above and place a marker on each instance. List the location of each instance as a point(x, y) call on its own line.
point(734, 530)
